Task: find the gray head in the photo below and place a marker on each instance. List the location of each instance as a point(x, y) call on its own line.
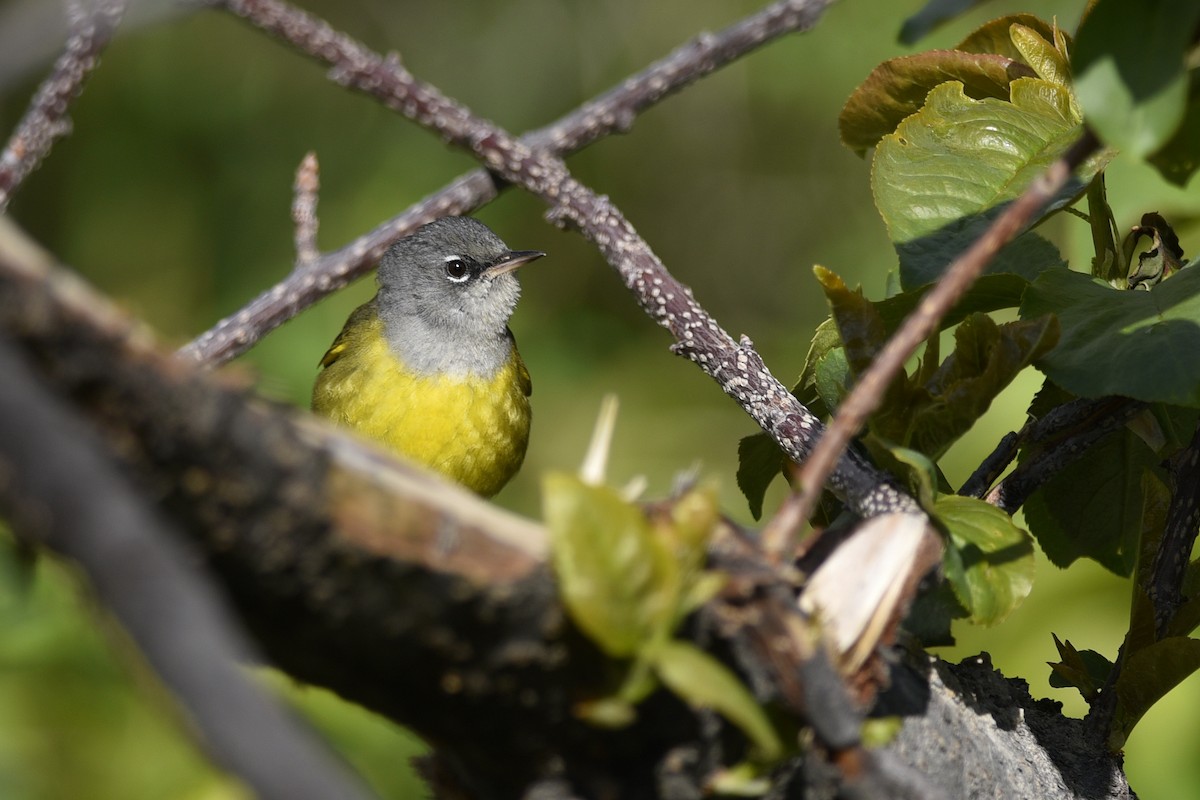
point(446, 293)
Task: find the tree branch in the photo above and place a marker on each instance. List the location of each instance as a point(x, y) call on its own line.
point(304, 211)
point(1076, 426)
point(1175, 550)
point(60, 487)
point(736, 366)
point(959, 276)
point(46, 119)
point(611, 112)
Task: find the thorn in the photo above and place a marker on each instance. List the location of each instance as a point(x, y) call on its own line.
point(596, 461)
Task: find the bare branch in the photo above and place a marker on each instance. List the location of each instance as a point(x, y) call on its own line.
point(736, 366)
point(60, 487)
point(1174, 551)
point(304, 211)
point(868, 393)
point(46, 119)
point(1079, 425)
point(611, 112)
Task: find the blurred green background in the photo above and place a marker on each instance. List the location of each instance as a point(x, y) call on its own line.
point(173, 197)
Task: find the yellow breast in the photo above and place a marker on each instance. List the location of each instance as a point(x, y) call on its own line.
point(471, 429)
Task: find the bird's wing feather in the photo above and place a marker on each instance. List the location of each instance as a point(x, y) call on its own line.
point(354, 325)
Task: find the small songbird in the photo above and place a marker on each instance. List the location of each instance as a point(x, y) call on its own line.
point(429, 367)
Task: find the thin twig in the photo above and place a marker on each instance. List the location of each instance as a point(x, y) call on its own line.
point(1179, 535)
point(60, 487)
point(868, 393)
point(46, 119)
point(611, 112)
point(1094, 420)
point(736, 366)
point(304, 211)
point(1078, 414)
point(994, 465)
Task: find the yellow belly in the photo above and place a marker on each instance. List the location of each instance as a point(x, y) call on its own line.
point(472, 430)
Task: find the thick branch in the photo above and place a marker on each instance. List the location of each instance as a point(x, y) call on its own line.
point(61, 488)
point(46, 119)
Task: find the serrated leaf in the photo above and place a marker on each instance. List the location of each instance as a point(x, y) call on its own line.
point(1146, 677)
point(702, 681)
point(996, 557)
point(897, 88)
point(1136, 344)
point(1092, 508)
point(996, 36)
point(1041, 54)
point(858, 323)
point(948, 170)
point(1084, 670)
point(1130, 72)
point(760, 462)
point(986, 359)
point(618, 582)
point(1178, 159)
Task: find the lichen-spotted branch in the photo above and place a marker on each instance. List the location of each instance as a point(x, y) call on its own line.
point(737, 368)
point(46, 118)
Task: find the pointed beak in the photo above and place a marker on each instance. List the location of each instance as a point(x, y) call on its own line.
point(514, 259)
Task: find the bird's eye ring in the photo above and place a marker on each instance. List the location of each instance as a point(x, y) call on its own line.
point(456, 269)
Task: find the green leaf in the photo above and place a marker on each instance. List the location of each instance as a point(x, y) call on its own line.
point(686, 528)
point(1041, 54)
point(825, 338)
point(1129, 64)
point(1085, 670)
point(989, 293)
point(1146, 677)
point(760, 462)
point(702, 681)
point(1178, 159)
point(985, 360)
point(858, 323)
point(1137, 344)
point(996, 558)
point(949, 169)
point(1093, 507)
point(607, 712)
point(897, 88)
point(833, 377)
point(881, 731)
point(922, 474)
point(996, 36)
point(619, 583)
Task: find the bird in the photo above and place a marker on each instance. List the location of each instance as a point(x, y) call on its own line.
point(429, 367)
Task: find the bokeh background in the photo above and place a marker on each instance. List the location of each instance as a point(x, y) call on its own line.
point(173, 196)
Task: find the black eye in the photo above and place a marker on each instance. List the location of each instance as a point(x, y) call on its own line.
point(457, 269)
